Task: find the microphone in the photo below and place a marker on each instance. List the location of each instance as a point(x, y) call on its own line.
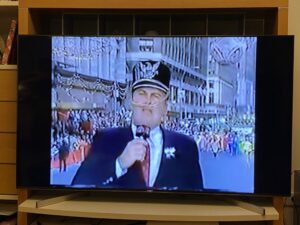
point(142, 131)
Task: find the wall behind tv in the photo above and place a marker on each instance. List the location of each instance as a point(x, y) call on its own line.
point(294, 29)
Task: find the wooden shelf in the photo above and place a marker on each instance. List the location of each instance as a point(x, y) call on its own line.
point(93, 207)
point(9, 3)
point(154, 4)
point(8, 67)
point(8, 205)
point(9, 197)
point(8, 8)
point(8, 208)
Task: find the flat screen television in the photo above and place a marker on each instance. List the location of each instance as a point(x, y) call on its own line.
point(215, 112)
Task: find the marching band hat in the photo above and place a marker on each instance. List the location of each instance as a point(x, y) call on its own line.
point(151, 74)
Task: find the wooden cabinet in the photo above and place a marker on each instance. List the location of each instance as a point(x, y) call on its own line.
point(201, 17)
point(8, 117)
point(8, 107)
point(102, 17)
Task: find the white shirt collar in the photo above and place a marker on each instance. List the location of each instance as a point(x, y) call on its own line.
point(154, 133)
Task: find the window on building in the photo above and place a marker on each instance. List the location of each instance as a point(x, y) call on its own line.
point(146, 45)
point(211, 98)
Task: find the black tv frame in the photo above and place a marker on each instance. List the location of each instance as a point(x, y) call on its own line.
point(274, 90)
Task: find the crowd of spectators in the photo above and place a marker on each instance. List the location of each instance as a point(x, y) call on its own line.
point(77, 127)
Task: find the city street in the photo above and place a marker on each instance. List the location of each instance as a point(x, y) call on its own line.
point(224, 172)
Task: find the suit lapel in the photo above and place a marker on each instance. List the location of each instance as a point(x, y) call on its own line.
point(164, 168)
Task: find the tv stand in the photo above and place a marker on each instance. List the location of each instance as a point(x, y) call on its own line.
point(245, 205)
point(249, 206)
point(54, 200)
point(205, 211)
point(180, 223)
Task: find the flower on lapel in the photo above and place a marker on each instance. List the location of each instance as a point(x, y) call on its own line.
point(170, 152)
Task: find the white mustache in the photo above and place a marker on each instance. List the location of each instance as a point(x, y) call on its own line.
point(149, 106)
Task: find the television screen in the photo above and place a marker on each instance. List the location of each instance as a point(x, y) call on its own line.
point(193, 114)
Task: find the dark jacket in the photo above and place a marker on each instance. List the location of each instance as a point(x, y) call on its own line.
point(181, 172)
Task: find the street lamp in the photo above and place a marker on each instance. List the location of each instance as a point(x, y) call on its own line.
point(181, 97)
point(181, 93)
point(115, 95)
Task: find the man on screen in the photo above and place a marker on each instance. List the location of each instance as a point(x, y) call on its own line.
point(145, 155)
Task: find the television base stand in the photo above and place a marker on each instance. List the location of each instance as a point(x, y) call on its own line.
point(180, 223)
point(246, 205)
point(208, 210)
point(58, 199)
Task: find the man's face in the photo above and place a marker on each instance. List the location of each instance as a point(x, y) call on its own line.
point(149, 107)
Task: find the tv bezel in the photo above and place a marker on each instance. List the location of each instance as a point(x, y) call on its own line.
point(265, 184)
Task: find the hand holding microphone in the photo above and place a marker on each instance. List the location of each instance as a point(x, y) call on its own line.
point(135, 150)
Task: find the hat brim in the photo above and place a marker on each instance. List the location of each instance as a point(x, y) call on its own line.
point(149, 83)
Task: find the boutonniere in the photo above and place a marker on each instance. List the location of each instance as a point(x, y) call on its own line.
point(170, 152)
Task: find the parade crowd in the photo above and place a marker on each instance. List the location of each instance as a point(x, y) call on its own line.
point(73, 131)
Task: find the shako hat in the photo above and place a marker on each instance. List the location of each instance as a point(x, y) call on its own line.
point(151, 74)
